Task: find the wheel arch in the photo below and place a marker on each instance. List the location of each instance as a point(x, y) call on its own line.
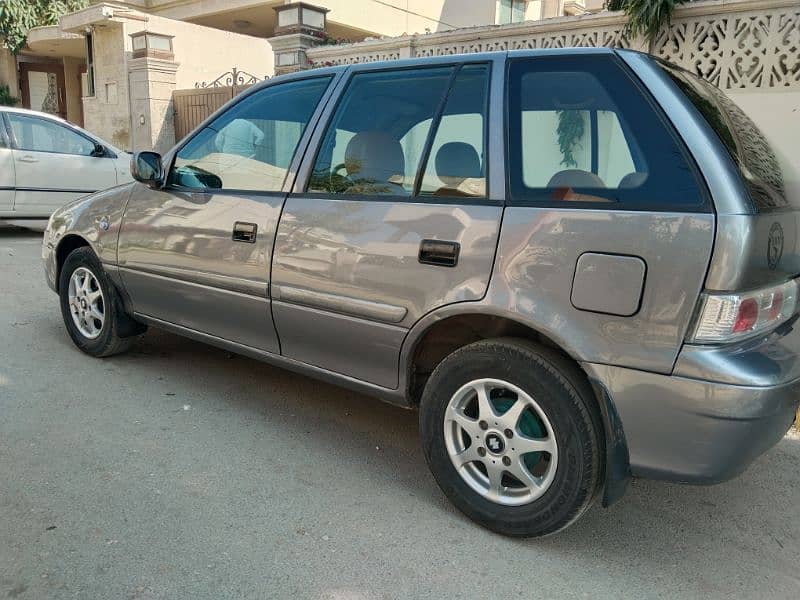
point(442, 332)
point(66, 245)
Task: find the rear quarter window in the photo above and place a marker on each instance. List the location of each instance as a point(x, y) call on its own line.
point(583, 133)
point(746, 144)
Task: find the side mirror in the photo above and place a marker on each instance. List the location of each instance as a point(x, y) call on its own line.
point(99, 150)
point(146, 168)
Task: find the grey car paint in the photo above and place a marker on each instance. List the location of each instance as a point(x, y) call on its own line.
point(688, 412)
point(608, 283)
point(336, 249)
point(539, 249)
point(94, 219)
point(179, 263)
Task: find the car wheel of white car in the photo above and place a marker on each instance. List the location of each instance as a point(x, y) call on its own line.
point(91, 308)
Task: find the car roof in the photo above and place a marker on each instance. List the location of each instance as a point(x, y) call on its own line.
point(60, 121)
point(432, 60)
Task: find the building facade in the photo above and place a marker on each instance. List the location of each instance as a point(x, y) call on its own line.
point(86, 70)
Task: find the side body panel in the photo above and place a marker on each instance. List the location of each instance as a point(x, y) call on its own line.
point(365, 255)
point(180, 264)
point(347, 280)
point(536, 261)
point(184, 259)
point(95, 219)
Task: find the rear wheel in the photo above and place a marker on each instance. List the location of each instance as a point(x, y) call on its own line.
point(91, 308)
point(513, 436)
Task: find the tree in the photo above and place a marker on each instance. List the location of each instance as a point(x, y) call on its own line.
point(17, 17)
point(645, 17)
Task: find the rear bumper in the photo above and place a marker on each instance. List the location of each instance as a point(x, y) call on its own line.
point(695, 431)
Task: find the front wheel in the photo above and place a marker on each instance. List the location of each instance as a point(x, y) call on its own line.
point(513, 436)
point(91, 308)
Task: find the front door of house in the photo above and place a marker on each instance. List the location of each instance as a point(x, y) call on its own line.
point(42, 86)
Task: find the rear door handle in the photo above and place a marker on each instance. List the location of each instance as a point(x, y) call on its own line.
point(244, 232)
point(439, 253)
point(28, 159)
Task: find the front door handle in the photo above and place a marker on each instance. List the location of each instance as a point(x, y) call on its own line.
point(439, 253)
point(28, 159)
point(244, 232)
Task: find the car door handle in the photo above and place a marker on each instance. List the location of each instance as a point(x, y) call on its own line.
point(28, 159)
point(244, 232)
point(439, 253)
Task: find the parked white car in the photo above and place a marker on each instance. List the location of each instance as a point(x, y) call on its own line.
point(46, 162)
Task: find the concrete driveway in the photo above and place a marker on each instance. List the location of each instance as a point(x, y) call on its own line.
point(180, 471)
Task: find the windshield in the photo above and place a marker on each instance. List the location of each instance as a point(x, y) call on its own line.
point(743, 139)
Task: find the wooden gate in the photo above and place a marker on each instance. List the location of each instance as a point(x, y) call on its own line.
point(194, 105)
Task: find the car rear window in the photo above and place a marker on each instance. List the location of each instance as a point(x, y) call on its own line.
point(743, 139)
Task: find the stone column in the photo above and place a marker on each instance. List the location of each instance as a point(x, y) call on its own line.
point(152, 81)
point(290, 52)
point(300, 26)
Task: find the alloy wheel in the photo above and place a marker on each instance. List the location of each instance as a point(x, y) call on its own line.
point(500, 442)
point(86, 303)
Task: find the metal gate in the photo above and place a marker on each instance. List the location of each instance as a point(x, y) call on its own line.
point(194, 105)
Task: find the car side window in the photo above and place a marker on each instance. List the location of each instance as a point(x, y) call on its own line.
point(581, 131)
point(34, 134)
point(457, 160)
point(377, 135)
point(251, 145)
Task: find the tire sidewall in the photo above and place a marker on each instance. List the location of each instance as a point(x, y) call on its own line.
point(576, 471)
point(86, 258)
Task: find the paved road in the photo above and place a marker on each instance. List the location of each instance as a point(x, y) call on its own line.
point(178, 471)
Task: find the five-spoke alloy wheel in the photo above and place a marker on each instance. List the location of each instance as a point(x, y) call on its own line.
point(513, 435)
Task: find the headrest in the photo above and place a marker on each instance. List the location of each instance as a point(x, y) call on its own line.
point(374, 156)
point(575, 178)
point(458, 160)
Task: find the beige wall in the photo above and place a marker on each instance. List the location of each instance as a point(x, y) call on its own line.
point(204, 53)
point(8, 71)
point(388, 17)
point(410, 16)
point(72, 88)
point(777, 113)
point(107, 112)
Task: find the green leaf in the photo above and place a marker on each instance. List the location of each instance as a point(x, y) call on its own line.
point(17, 17)
point(645, 17)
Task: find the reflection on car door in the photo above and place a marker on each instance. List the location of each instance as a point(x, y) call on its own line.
point(54, 165)
point(389, 221)
point(197, 253)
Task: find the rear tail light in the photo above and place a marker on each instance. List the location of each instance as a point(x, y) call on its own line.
point(725, 318)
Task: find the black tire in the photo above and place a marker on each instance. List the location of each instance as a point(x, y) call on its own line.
point(119, 331)
point(562, 392)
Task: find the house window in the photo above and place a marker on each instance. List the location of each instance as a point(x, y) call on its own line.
point(89, 81)
point(510, 11)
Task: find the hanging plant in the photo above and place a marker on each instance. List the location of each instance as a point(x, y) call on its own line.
point(570, 131)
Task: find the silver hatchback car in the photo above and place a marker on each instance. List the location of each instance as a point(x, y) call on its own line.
point(580, 265)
